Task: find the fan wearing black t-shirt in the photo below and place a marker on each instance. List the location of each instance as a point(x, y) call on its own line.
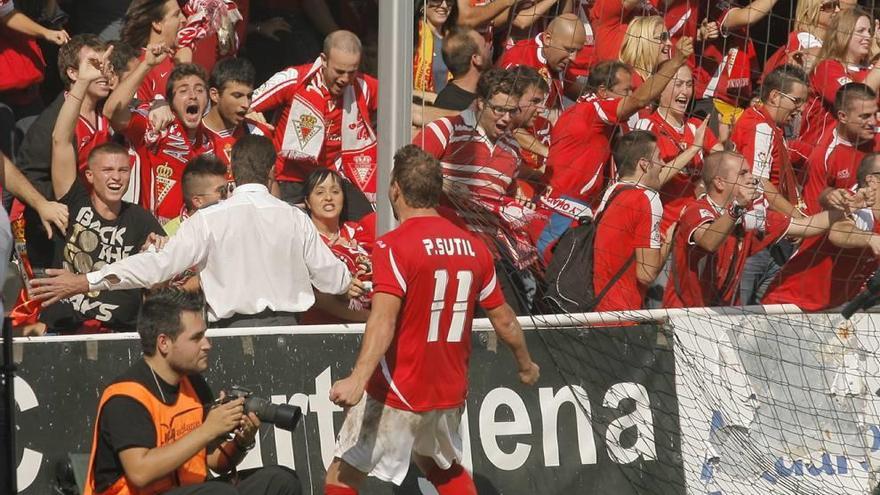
point(165, 392)
point(102, 228)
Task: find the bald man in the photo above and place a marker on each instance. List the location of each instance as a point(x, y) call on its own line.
point(716, 233)
point(325, 122)
point(550, 53)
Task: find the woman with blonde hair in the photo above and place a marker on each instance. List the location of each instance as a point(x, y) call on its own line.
point(845, 57)
point(811, 22)
point(645, 45)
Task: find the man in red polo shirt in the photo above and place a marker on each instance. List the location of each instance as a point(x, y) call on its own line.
point(629, 253)
point(480, 159)
point(580, 144)
point(831, 169)
point(549, 53)
point(163, 153)
point(325, 121)
point(830, 270)
point(758, 135)
point(716, 234)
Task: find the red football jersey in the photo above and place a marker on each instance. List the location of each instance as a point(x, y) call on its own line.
point(833, 164)
point(821, 276)
point(529, 53)
point(440, 272)
point(632, 221)
point(680, 19)
point(222, 141)
point(728, 64)
point(89, 137)
point(671, 141)
point(818, 116)
point(156, 81)
point(580, 148)
point(699, 278)
point(586, 57)
point(163, 159)
point(763, 145)
point(796, 42)
point(609, 23)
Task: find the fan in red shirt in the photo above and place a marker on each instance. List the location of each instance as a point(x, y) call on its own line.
point(532, 132)
point(628, 251)
point(231, 87)
point(610, 18)
point(844, 58)
point(549, 53)
point(676, 133)
point(428, 277)
point(831, 169)
point(759, 137)
point(164, 153)
point(717, 233)
point(580, 144)
point(831, 270)
point(153, 22)
point(811, 21)
point(325, 120)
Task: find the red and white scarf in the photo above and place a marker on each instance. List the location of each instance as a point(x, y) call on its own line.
point(306, 121)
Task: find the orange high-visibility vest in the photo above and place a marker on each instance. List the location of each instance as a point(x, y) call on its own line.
point(172, 422)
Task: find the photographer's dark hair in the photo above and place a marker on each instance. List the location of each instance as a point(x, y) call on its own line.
point(419, 176)
point(160, 313)
point(184, 70)
point(237, 70)
point(139, 19)
point(252, 160)
point(198, 168)
point(68, 54)
point(631, 148)
point(319, 176)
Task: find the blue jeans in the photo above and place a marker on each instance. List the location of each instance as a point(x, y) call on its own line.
point(760, 270)
point(556, 226)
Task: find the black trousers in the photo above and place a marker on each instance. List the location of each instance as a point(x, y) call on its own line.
point(271, 480)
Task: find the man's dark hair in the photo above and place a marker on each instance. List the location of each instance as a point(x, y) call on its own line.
point(238, 70)
point(108, 148)
point(458, 48)
point(495, 81)
point(851, 92)
point(121, 56)
point(179, 72)
point(525, 77)
point(867, 166)
point(160, 314)
point(631, 148)
point(419, 177)
point(782, 79)
point(198, 168)
point(252, 160)
point(604, 75)
point(139, 19)
point(68, 54)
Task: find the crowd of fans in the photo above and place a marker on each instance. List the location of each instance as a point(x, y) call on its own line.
point(712, 177)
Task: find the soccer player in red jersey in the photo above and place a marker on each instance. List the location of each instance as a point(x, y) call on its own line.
point(716, 234)
point(628, 250)
point(844, 58)
point(163, 153)
point(580, 144)
point(676, 133)
point(154, 22)
point(549, 53)
point(325, 120)
point(831, 169)
point(428, 276)
point(231, 87)
point(830, 270)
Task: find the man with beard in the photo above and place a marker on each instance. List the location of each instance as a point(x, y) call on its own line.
point(163, 153)
point(102, 227)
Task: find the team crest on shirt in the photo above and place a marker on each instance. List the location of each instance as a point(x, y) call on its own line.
point(164, 182)
point(843, 174)
point(306, 128)
point(363, 166)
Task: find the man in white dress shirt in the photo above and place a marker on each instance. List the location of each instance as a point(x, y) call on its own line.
point(258, 257)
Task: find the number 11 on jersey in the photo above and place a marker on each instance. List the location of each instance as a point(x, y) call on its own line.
point(459, 307)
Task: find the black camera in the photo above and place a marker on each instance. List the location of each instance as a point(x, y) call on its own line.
point(283, 416)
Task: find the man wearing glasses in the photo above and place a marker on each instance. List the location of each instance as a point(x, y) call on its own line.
point(758, 135)
point(480, 160)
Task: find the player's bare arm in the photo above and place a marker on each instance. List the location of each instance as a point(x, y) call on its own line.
point(510, 332)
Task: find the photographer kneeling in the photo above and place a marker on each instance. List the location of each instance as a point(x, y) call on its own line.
point(156, 432)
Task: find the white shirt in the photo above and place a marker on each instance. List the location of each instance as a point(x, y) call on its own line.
point(253, 251)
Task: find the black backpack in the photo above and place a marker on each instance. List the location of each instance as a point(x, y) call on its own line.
point(569, 275)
